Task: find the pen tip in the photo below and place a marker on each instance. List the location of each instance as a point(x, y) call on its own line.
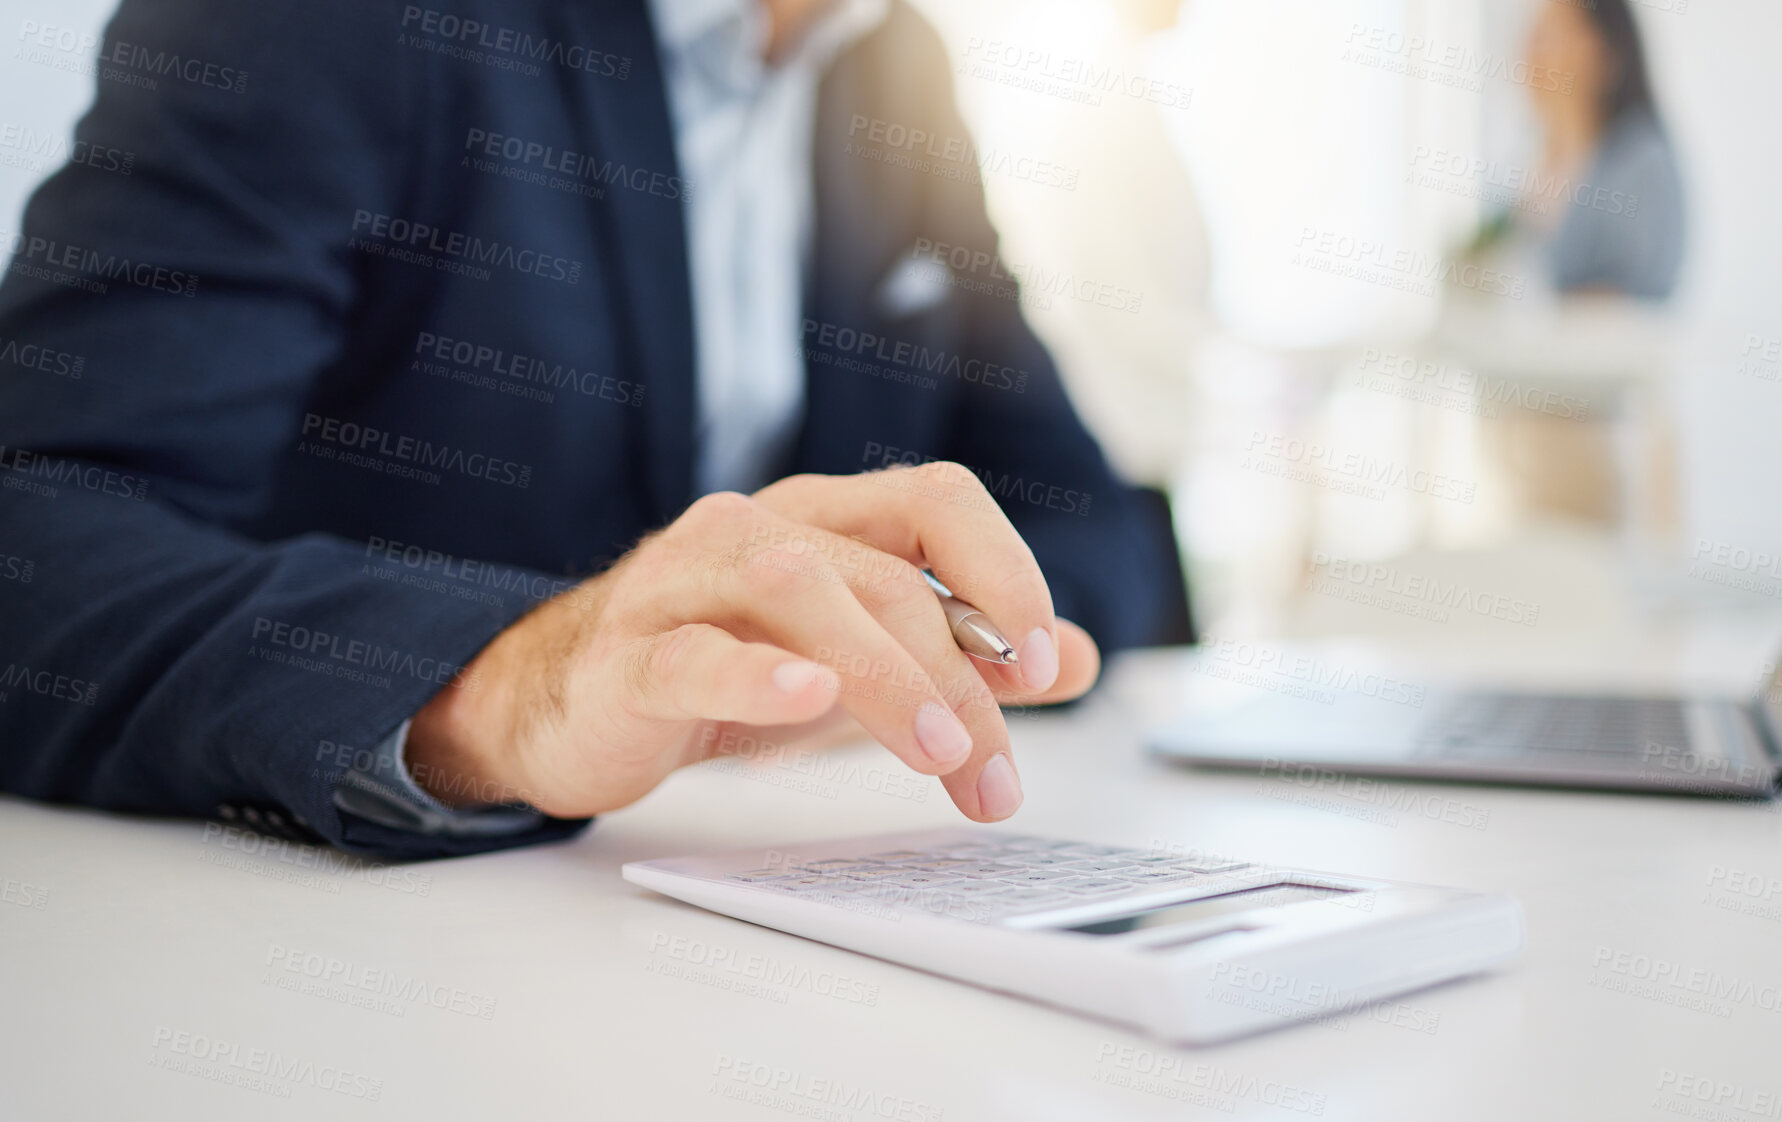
point(1009, 657)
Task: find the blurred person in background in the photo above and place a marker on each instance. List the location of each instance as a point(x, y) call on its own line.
point(1600, 220)
point(1606, 204)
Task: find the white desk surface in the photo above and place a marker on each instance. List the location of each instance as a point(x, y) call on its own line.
point(149, 928)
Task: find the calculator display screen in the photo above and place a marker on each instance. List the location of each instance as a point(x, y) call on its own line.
point(1193, 911)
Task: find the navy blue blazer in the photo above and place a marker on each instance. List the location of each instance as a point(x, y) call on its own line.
point(355, 328)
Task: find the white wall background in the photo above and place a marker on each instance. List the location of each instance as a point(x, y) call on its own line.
point(1716, 64)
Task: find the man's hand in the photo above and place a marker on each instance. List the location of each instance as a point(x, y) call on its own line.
point(765, 613)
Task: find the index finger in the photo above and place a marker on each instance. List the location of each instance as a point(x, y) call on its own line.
point(940, 516)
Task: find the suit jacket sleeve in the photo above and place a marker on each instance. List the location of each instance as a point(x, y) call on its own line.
point(162, 658)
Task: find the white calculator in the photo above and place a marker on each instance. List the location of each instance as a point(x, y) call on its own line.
point(1189, 947)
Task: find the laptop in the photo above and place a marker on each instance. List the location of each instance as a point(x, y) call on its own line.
point(1683, 743)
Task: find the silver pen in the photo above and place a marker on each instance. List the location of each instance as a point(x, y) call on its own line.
point(972, 629)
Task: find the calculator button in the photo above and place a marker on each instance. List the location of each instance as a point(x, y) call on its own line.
point(1043, 860)
point(1108, 866)
point(1159, 876)
point(928, 880)
point(937, 863)
point(989, 870)
point(1085, 850)
point(854, 885)
point(1094, 886)
point(799, 884)
point(871, 872)
point(891, 856)
point(1215, 866)
point(1039, 876)
point(975, 888)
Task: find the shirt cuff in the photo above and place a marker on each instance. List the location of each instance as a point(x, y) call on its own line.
point(379, 789)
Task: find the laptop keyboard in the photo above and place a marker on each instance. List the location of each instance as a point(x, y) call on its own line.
point(1495, 726)
point(982, 880)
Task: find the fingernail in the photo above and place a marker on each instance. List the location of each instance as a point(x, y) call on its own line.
point(999, 791)
point(794, 676)
point(1039, 660)
point(941, 735)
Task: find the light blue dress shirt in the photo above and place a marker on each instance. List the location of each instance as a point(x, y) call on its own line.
point(743, 128)
point(743, 138)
